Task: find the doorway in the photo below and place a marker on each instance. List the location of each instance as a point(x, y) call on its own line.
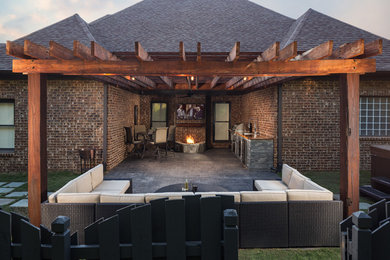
point(221, 123)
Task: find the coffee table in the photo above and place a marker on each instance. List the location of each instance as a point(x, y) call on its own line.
point(201, 187)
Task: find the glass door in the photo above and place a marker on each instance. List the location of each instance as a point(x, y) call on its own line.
point(221, 121)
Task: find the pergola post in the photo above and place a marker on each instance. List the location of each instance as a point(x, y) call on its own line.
point(349, 142)
point(37, 145)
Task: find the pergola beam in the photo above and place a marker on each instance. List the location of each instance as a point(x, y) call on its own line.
point(214, 82)
point(288, 52)
point(180, 68)
point(371, 49)
point(182, 52)
point(319, 52)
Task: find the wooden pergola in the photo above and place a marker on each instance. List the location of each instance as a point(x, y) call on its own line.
point(232, 71)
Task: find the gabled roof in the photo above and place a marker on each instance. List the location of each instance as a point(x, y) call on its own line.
point(217, 24)
point(314, 28)
point(160, 24)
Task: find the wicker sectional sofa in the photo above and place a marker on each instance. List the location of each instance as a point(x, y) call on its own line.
point(267, 218)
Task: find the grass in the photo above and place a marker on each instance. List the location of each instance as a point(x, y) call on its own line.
point(280, 254)
point(55, 180)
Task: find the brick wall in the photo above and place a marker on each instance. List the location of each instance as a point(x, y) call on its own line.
point(261, 106)
point(74, 121)
point(120, 114)
point(17, 90)
point(311, 117)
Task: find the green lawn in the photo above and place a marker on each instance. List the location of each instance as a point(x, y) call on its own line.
point(55, 180)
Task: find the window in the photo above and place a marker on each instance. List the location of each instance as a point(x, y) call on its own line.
point(7, 126)
point(159, 114)
point(374, 116)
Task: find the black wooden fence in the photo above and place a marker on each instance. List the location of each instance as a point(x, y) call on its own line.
point(367, 235)
point(163, 229)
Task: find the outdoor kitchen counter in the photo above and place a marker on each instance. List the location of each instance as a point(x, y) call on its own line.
point(255, 152)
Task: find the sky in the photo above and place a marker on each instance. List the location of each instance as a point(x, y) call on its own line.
point(21, 17)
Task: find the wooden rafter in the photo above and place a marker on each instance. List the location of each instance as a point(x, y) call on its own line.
point(35, 50)
point(143, 55)
point(234, 54)
point(182, 52)
point(199, 52)
point(288, 52)
point(371, 49)
point(15, 50)
point(60, 52)
point(214, 82)
point(349, 50)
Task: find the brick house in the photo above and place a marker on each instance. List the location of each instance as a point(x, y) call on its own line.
point(79, 108)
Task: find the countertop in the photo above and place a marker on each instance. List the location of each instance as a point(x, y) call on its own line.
point(258, 137)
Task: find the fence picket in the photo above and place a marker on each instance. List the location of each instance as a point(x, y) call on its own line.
point(175, 229)
point(141, 236)
point(74, 239)
point(5, 235)
point(158, 219)
point(210, 227)
point(109, 238)
point(124, 215)
point(91, 233)
point(30, 239)
point(380, 241)
point(46, 235)
point(15, 226)
point(192, 207)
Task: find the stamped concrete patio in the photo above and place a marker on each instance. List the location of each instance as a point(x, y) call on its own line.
point(216, 167)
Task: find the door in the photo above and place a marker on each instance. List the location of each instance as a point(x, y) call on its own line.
point(221, 122)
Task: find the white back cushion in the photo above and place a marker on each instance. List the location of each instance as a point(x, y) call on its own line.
point(286, 173)
point(122, 198)
point(97, 175)
point(78, 197)
point(310, 185)
point(70, 187)
point(297, 180)
point(237, 196)
point(169, 195)
point(266, 195)
point(83, 183)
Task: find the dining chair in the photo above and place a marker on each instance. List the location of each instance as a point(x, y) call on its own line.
point(160, 141)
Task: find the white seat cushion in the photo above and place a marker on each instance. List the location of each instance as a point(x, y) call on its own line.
point(286, 173)
point(169, 195)
point(97, 176)
point(122, 198)
point(270, 185)
point(297, 180)
point(294, 195)
point(237, 196)
point(83, 183)
point(78, 197)
point(259, 196)
point(112, 186)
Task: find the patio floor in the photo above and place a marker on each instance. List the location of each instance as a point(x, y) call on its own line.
point(216, 166)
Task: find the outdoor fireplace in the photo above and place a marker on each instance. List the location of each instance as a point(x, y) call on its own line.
point(191, 146)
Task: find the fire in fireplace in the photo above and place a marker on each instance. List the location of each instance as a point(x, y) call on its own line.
point(190, 139)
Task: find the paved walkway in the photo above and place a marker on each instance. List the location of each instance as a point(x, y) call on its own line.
point(216, 167)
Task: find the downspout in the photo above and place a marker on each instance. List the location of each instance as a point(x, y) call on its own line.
point(280, 130)
point(105, 125)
